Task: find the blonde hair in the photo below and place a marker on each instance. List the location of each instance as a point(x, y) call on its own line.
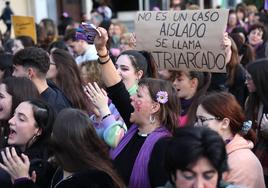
point(93, 72)
point(252, 9)
point(127, 37)
point(193, 7)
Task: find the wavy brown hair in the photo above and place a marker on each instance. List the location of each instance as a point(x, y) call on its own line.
point(77, 146)
point(93, 72)
point(68, 78)
point(233, 64)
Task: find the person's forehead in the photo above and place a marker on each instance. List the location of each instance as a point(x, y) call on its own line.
point(71, 42)
point(201, 110)
point(143, 89)
point(25, 108)
point(259, 29)
point(123, 60)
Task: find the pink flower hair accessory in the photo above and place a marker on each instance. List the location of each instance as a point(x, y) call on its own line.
point(162, 97)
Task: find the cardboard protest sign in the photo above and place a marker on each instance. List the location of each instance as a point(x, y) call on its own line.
point(24, 25)
point(185, 40)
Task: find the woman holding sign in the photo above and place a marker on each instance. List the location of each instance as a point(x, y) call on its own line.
point(151, 116)
point(234, 78)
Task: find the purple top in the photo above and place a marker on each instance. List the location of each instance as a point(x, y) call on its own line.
point(139, 177)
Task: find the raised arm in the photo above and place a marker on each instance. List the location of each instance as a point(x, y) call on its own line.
point(108, 70)
point(117, 91)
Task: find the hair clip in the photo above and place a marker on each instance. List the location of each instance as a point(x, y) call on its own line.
point(246, 127)
point(162, 97)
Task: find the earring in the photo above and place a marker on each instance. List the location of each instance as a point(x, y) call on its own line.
point(152, 119)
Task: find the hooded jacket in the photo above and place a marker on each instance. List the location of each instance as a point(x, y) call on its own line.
point(245, 168)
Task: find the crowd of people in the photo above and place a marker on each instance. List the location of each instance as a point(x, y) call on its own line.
point(74, 114)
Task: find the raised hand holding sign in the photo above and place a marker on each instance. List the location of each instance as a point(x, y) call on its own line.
point(87, 32)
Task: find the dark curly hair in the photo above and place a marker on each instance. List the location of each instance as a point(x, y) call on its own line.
point(33, 57)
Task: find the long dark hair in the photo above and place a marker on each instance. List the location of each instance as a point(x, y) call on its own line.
point(203, 84)
point(68, 78)
point(244, 49)
point(232, 66)
point(77, 146)
point(6, 64)
point(259, 74)
point(44, 116)
point(20, 89)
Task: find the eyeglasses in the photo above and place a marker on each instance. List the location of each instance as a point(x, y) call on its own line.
point(200, 121)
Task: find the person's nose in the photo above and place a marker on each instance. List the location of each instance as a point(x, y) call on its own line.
point(199, 183)
point(11, 121)
point(119, 71)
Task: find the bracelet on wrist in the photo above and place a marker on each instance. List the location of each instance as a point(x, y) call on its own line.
point(103, 62)
point(103, 56)
point(22, 179)
point(105, 116)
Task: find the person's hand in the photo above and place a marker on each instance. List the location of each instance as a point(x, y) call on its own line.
point(15, 166)
point(98, 97)
point(264, 122)
point(226, 44)
point(100, 40)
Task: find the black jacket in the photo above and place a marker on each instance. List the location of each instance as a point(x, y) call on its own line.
point(83, 179)
point(38, 157)
point(55, 97)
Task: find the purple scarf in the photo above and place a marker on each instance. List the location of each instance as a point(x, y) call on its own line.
point(139, 177)
point(257, 46)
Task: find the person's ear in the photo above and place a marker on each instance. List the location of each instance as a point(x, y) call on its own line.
point(194, 83)
point(39, 132)
point(30, 73)
point(225, 123)
point(140, 74)
point(155, 107)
